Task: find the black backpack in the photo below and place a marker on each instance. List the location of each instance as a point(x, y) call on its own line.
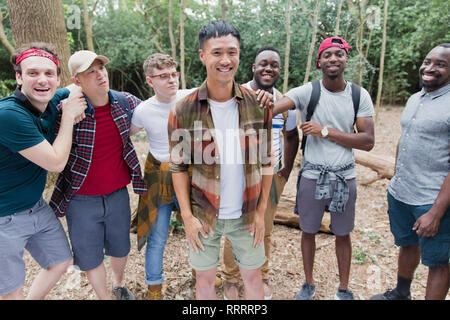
point(314, 99)
point(123, 102)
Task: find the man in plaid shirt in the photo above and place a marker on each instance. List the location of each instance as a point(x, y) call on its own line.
point(229, 187)
point(92, 189)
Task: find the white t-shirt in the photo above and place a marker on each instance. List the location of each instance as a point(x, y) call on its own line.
point(277, 128)
point(232, 183)
point(334, 110)
point(153, 115)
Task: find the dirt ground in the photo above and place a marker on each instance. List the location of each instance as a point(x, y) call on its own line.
point(374, 262)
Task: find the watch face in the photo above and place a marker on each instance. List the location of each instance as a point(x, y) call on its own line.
point(324, 132)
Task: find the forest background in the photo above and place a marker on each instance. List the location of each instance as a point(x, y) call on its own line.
point(127, 31)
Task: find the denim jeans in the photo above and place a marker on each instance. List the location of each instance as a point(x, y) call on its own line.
point(156, 243)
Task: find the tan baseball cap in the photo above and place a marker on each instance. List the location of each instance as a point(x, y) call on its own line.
point(81, 60)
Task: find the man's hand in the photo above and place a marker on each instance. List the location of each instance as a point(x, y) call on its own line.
point(264, 98)
point(257, 227)
point(74, 106)
point(312, 128)
point(427, 225)
point(192, 226)
point(284, 173)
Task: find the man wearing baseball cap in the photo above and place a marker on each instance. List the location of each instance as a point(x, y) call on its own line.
point(92, 189)
point(330, 109)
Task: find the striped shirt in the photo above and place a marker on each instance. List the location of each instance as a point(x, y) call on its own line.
point(192, 144)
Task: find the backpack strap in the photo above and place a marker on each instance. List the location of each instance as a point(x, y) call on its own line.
point(356, 96)
point(313, 100)
point(123, 102)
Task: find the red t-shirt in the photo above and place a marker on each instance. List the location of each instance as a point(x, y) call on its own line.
point(108, 171)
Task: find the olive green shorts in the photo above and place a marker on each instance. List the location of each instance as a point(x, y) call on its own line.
point(247, 256)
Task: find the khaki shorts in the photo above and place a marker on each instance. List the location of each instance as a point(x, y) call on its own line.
point(246, 256)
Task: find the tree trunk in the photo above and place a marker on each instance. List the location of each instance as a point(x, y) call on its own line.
point(383, 49)
point(88, 21)
point(338, 18)
point(183, 78)
point(224, 9)
point(41, 21)
point(313, 42)
point(288, 46)
point(172, 39)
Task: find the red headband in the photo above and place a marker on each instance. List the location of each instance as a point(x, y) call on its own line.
point(34, 52)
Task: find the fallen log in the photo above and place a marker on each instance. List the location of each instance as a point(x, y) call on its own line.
point(382, 165)
point(288, 218)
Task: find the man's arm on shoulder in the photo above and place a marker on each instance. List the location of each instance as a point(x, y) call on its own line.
point(282, 105)
point(54, 157)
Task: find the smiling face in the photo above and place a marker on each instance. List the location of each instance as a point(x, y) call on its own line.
point(434, 71)
point(39, 80)
point(333, 61)
point(221, 59)
point(94, 81)
point(266, 70)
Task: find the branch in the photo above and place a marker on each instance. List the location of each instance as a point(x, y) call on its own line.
point(3, 38)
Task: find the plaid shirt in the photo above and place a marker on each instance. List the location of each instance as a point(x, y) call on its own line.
point(205, 182)
point(71, 179)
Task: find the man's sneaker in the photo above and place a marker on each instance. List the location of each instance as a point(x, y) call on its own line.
point(307, 292)
point(123, 293)
point(344, 295)
point(267, 290)
point(391, 295)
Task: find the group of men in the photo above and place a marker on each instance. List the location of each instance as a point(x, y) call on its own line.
point(221, 154)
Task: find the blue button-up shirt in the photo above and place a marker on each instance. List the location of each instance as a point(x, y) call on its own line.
point(423, 156)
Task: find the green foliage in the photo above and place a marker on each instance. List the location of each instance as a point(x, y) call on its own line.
point(360, 256)
point(127, 37)
point(7, 87)
point(176, 224)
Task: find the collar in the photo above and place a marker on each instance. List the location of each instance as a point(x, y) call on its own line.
point(26, 103)
point(203, 92)
point(436, 93)
point(90, 108)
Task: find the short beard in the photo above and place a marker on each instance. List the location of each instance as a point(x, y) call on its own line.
point(431, 85)
point(263, 86)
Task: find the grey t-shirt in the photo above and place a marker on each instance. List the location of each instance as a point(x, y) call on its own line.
point(423, 156)
point(334, 110)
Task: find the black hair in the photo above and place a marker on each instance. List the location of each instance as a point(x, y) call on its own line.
point(445, 45)
point(217, 29)
point(267, 48)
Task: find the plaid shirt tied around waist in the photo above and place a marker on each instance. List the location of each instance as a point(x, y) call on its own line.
point(191, 131)
point(340, 195)
point(159, 191)
point(72, 177)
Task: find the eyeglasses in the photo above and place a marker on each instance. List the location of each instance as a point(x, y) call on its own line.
point(166, 76)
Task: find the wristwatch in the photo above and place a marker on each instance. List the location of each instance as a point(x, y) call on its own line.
point(324, 132)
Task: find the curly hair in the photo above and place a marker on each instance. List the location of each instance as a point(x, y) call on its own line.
point(158, 61)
